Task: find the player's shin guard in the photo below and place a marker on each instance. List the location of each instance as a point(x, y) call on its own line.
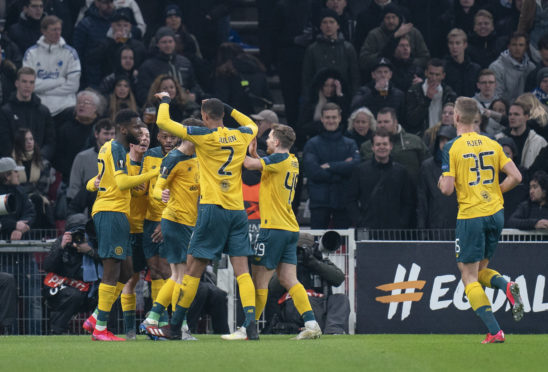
point(119, 288)
point(480, 303)
point(176, 295)
point(261, 295)
point(163, 298)
point(492, 279)
point(301, 301)
point(189, 288)
point(129, 304)
point(155, 287)
point(247, 296)
point(106, 299)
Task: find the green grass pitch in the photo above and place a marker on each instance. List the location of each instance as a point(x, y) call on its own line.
point(277, 353)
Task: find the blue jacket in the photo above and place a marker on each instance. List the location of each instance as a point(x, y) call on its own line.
point(326, 187)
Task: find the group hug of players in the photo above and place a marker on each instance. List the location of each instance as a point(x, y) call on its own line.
point(176, 209)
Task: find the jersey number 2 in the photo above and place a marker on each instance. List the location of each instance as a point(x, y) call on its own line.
point(222, 170)
point(479, 165)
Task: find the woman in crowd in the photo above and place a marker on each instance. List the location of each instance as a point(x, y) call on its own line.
point(361, 125)
point(122, 97)
point(431, 134)
point(126, 67)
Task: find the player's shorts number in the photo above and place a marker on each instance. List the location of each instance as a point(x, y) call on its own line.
point(222, 170)
point(479, 165)
point(259, 249)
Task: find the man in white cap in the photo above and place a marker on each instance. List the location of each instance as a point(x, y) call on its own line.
point(17, 212)
point(264, 121)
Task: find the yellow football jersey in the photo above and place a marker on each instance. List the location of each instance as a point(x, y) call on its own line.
point(112, 161)
point(138, 205)
point(152, 160)
point(221, 153)
point(475, 161)
point(278, 182)
point(179, 173)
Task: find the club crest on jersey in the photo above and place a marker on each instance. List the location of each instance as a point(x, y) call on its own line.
point(485, 195)
point(225, 185)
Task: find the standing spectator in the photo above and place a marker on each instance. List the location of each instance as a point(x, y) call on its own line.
point(538, 116)
point(431, 134)
point(35, 178)
point(378, 195)
point(408, 149)
point(125, 66)
point(461, 16)
point(533, 213)
point(347, 23)
point(386, 37)
point(26, 31)
point(435, 210)
point(132, 5)
point(361, 125)
point(460, 73)
point(541, 89)
point(380, 92)
point(7, 77)
point(67, 11)
point(405, 70)
point(368, 19)
point(264, 121)
point(532, 79)
point(484, 45)
point(425, 100)
point(330, 50)
point(510, 22)
point(328, 162)
point(13, 225)
point(57, 67)
point(165, 61)
point(487, 85)
point(25, 110)
point(84, 166)
point(10, 50)
point(512, 67)
point(121, 98)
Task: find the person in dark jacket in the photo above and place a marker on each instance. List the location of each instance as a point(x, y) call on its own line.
point(405, 70)
point(73, 265)
point(24, 110)
point(380, 92)
point(484, 45)
point(378, 194)
point(26, 31)
point(461, 73)
point(532, 82)
point(361, 125)
point(125, 57)
point(7, 78)
point(347, 21)
point(533, 213)
point(435, 210)
point(166, 61)
point(15, 223)
point(329, 159)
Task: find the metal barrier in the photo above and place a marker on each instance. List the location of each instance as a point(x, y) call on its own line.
point(508, 235)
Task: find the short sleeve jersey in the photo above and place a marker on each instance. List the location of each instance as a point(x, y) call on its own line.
point(182, 177)
point(152, 160)
point(112, 161)
point(278, 182)
point(138, 205)
point(475, 161)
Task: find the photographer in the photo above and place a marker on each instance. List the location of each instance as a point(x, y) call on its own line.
point(73, 267)
point(317, 274)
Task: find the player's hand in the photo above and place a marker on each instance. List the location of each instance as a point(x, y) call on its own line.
point(140, 187)
point(253, 148)
point(161, 95)
point(97, 182)
point(439, 181)
point(165, 195)
point(157, 235)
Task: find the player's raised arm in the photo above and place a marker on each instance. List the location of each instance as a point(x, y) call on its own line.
point(242, 119)
point(513, 177)
point(164, 121)
point(253, 162)
point(124, 182)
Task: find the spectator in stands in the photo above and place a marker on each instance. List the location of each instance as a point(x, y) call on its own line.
point(533, 213)
point(380, 92)
point(84, 166)
point(104, 59)
point(10, 50)
point(24, 110)
point(137, 16)
point(361, 125)
point(406, 71)
point(368, 19)
point(431, 134)
point(532, 79)
point(425, 100)
point(165, 61)
point(57, 67)
point(73, 269)
point(67, 11)
point(460, 73)
point(26, 31)
point(7, 77)
point(347, 22)
point(501, 106)
point(240, 79)
point(328, 162)
point(487, 84)
point(327, 86)
point(460, 16)
point(330, 50)
point(512, 67)
point(484, 45)
point(538, 116)
point(91, 30)
point(378, 194)
point(541, 89)
point(125, 66)
point(8, 298)
point(408, 149)
point(435, 210)
point(510, 21)
point(533, 22)
point(264, 121)
point(528, 142)
point(385, 38)
point(16, 223)
point(122, 97)
point(76, 133)
point(35, 178)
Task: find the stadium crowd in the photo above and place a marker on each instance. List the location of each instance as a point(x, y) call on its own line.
point(347, 69)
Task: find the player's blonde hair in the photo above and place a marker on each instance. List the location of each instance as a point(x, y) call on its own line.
point(467, 109)
point(285, 134)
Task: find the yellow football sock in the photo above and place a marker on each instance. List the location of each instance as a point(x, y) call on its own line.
point(164, 296)
point(129, 302)
point(476, 296)
point(261, 295)
point(155, 286)
point(175, 295)
point(300, 298)
point(189, 288)
point(119, 288)
point(247, 290)
point(106, 297)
